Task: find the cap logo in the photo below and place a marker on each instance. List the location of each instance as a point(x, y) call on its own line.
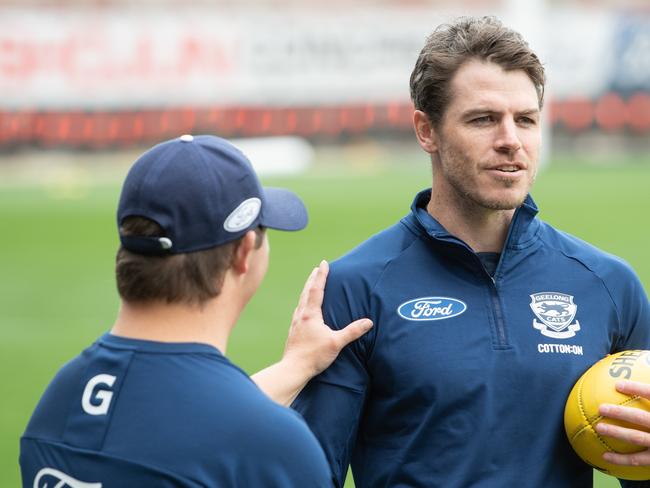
point(244, 215)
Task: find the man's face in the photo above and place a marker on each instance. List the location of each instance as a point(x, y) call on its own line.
point(489, 137)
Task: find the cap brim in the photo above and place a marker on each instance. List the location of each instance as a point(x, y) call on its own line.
point(283, 210)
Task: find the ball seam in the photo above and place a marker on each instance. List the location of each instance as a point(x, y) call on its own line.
point(597, 418)
point(586, 419)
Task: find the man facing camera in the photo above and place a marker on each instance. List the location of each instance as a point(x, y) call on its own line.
point(485, 316)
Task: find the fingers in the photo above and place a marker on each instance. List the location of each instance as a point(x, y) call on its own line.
point(352, 332)
point(632, 415)
point(631, 436)
point(635, 459)
point(633, 388)
point(304, 295)
point(317, 289)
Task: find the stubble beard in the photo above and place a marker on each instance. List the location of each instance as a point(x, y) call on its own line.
point(469, 197)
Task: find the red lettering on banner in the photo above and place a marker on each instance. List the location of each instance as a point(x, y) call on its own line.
point(555, 111)
point(266, 122)
point(17, 59)
point(88, 59)
point(292, 121)
point(63, 130)
point(577, 114)
point(124, 128)
point(87, 127)
point(142, 62)
point(138, 127)
point(317, 119)
point(393, 113)
point(195, 55)
point(329, 118)
point(611, 112)
point(639, 112)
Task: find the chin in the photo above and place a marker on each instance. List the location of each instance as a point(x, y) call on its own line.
point(503, 202)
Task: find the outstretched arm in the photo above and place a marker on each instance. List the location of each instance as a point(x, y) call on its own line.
point(311, 345)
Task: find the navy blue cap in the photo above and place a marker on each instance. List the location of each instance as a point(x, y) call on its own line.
point(203, 192)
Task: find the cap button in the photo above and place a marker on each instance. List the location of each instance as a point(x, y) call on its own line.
point(165, 243)
point(187, 138)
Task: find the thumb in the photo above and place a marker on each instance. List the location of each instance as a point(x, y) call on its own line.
point(352, 332)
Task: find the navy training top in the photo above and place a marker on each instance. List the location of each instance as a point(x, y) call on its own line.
point(463, 379)
point(133, 413)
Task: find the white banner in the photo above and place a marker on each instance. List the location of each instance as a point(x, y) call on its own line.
point(112, 58)
point(136, 57)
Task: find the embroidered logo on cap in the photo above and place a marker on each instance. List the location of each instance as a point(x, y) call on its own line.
point(244, 215)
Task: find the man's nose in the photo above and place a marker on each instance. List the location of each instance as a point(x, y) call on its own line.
point(507, 140)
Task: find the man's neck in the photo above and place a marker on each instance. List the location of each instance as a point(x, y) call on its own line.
point(210, 323)
point(484, 230)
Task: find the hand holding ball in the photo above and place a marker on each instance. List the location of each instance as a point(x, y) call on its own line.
point(597, 386)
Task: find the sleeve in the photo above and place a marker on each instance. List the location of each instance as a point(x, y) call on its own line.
point(332, 403)
point(280, 452)
point(633, 309)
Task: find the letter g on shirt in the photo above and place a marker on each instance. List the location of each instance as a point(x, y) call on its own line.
point(103, 395)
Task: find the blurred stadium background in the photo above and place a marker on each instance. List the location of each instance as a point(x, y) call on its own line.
point(317, 94)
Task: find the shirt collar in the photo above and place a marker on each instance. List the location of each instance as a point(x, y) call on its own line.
point(119, 342)
point(523, 227)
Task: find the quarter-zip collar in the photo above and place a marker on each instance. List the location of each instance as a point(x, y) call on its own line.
point(522, 232)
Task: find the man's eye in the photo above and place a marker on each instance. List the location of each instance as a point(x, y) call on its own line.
point(527, 121)
point(485, 119)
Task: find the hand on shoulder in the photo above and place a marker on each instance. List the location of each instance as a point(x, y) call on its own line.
point(311, 345)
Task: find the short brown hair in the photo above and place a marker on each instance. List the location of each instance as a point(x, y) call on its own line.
point(451, 45)
point(190, 278)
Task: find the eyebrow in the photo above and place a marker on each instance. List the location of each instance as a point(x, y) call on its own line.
point(530, 111)
point(482, 111)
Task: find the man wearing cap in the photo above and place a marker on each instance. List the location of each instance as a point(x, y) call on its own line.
point(155, 402)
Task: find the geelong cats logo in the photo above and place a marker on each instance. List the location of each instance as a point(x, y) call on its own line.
point(556, 312)
point(59, 480)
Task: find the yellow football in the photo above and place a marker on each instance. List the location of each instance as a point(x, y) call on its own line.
point(596, 386)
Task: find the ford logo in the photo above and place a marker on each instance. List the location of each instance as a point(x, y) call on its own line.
point(431, 308)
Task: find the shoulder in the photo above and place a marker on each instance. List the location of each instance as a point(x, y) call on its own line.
point(49, 418)
point(224, 407)
point(276, 443)
point(278, 426)
point(203, 402)
point(364, 265)
point(613, 273)
point(603, 264)
point(210, 405)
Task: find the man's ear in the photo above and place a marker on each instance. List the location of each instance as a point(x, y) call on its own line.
point(241, 259)
point(425, 132)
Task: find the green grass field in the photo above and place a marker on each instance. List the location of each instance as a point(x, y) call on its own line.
point(57, 249)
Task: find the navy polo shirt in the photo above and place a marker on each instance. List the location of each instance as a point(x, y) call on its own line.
point(138, 413)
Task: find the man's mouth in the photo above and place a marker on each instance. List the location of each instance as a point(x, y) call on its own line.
point(508, 169)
